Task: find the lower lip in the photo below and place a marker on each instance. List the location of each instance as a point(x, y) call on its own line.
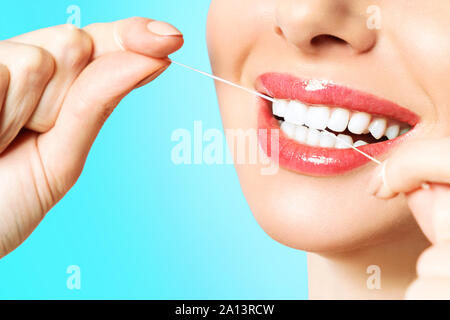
point(309, 160)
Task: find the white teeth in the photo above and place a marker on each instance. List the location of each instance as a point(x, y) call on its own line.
point(318, 117)
point(301, 134)
point(279, 107)
point(343, 141)
point(313, 137)
point(296, 113)
point(339, 120)
point(377, 127)
point(359, 143)
point(392, 131)
point(359, 122)
point(327, 140)
point(305, 123)
point(288, 129)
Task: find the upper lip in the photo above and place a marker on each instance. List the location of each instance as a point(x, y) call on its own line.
point(314, 160)
point(323, 92)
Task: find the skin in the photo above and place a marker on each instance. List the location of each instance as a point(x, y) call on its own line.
point(405, 61)
point(63, 83)
point(57, 88)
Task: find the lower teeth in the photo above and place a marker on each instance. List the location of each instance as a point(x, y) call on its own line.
point(327, 139)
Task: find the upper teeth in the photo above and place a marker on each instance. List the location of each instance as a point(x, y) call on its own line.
point(296, 112)
point(279, 107)
point(339, 120)
point(319, 117)
point(392, 131)
point(359, 122)
point(378, 127)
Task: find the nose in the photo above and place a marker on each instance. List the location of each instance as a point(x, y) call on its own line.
point(315, 25)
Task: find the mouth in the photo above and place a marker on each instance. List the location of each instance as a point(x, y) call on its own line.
point(303, 109)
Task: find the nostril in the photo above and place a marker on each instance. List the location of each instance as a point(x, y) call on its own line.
point(325, 39)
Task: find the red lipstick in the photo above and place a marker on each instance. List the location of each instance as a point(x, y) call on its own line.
point(319, 161)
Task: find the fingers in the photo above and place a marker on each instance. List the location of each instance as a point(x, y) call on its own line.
point(141, 35)
point(434, 262)
point(421, 170)
point(91, 99)
point(412, 165)
point(71, 49)
point(93, 69)
point(430, 208)
point(433, 271)
point(436, 288)
point(4, 84)
point(29, 69)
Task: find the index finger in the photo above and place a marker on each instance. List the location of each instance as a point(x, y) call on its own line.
point(411, 166)
point(144, 36)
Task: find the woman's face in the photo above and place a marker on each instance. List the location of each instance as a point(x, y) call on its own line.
point(345, 64)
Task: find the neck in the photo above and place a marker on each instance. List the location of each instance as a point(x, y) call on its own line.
point(378, 272)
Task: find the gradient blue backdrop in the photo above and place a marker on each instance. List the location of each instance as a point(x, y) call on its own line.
point(138, 226)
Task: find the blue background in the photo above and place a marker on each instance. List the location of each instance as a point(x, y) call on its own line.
point(138, 226)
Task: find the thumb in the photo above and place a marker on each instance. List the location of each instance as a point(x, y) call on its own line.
point(89, 102)
point(430, 208)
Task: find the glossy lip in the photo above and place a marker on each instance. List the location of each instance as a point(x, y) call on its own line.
point(318, 161)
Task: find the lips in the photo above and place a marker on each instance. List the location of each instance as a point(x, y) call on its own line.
point(309, 157)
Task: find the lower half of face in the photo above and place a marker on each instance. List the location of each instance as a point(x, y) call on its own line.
point(331, 75)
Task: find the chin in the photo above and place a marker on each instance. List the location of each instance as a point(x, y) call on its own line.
point(322, 215)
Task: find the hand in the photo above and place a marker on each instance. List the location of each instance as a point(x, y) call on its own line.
point(57, 87)
point(421, 170)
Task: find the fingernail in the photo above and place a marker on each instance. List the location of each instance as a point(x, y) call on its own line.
point(378, 186)
point(151, 77)
point(163, 29)
point(426, 186)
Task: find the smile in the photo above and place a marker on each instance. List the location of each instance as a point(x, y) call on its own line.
point(303, 109)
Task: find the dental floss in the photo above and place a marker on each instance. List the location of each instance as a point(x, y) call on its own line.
point(354, 148)
point(271, 100)
point(226, 81)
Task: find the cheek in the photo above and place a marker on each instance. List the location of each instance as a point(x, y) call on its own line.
point(428, 53)
point(233, 28)
point(420, 38)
